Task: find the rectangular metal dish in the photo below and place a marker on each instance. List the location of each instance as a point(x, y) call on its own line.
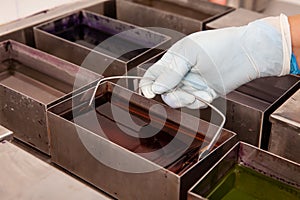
point(155, 157)
point(183, 16)
point(102, 44)
point(246, 171)
point(31, 81)
point(285, 132)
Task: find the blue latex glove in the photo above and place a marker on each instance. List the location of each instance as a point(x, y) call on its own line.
point(212, 63)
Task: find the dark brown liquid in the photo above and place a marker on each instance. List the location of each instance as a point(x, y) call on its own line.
point(91, 38)
point(177, 158)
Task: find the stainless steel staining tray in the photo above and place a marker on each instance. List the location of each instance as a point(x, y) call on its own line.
point(101, 44)
point(30, 81)
point(153, 158)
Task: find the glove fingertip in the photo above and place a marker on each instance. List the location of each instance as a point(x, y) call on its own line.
point(197, 105)
point(170, 101)
point(147, 92)
point(159, 89)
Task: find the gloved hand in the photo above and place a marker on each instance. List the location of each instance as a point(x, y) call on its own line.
point(212, 63)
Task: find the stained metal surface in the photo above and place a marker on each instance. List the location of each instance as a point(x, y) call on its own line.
point(77, 141)
point(5, 134)
point(22, 30)
point(76, 38)
point(238, 17)
point(285, 132)
point(183, 16)
point(248, 107)
point(28, 178)
point(249, 156)
point(30, 81)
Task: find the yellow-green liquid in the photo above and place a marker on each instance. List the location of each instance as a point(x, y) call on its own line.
point(242, 183)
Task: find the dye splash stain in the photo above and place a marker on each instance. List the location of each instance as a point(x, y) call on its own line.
point(247, 184)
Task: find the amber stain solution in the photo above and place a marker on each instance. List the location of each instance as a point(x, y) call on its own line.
point(177, 158)
point(243, 183)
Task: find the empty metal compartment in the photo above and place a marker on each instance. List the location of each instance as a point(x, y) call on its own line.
point(22, 30)
point(183, 16)
point(249, 172)
point(248, 107)
point(30, 81)
point(285, 132)
point(102, 146)
point(101, 44)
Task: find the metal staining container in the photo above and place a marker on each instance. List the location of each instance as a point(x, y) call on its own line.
point(246, 172)
point(102, 44)
point(132, 147)
point(30, 81)
point(183, 16)
point(285, 132)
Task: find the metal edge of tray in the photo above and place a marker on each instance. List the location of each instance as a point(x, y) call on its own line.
point(5, 134)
